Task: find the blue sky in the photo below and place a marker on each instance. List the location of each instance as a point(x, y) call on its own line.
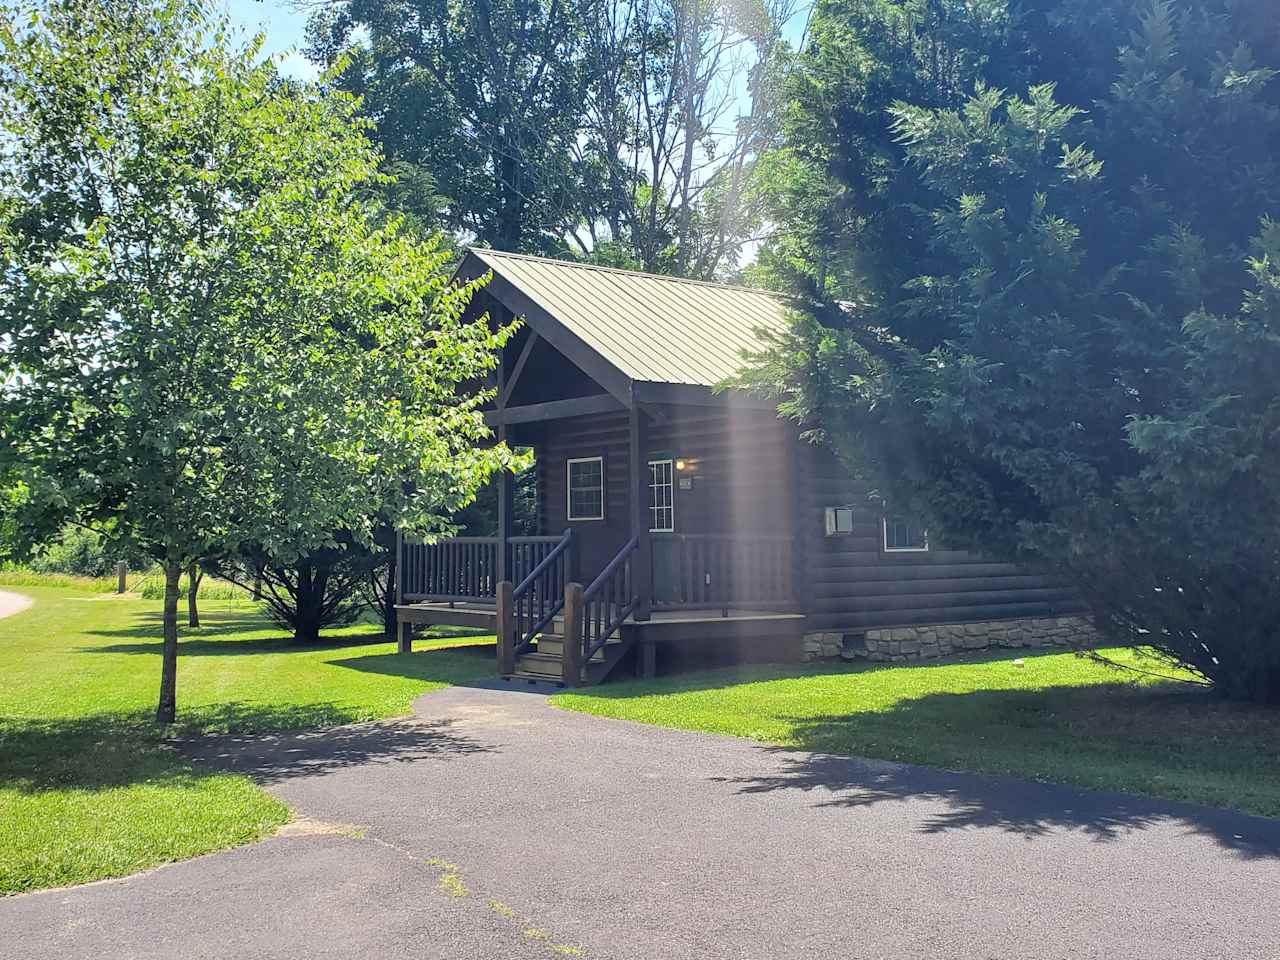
point(284, 28)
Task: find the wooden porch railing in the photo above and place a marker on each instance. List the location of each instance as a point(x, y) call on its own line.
point(466, 568)
point(527, 553)
point(457, 569)
point(714, 570)
point(526, 609)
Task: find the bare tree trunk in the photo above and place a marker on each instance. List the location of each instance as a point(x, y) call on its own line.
point(312, 581)
point(389, 598)
point(167, 710)
point(692, 60)
point(194, 576)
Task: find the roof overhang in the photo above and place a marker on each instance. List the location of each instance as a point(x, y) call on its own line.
point(693, 394)
point(621, 392)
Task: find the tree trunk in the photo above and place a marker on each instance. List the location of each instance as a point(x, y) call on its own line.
point(194, 576)
point(389, 599)
point(167, 710)
point(310, 603)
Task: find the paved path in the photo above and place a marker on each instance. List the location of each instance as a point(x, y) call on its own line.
point(496, 826)
point(11, 603)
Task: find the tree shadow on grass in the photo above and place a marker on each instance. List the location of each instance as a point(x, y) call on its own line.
point(621, 685)
point(231, 646)
point(111, 750)
point(957, 801)
point(451, 664)
point(105, 751)
point(219, 630)
point(149, 623)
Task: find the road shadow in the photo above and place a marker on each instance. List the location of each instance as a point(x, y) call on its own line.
point(960, 801)
point(276, 758)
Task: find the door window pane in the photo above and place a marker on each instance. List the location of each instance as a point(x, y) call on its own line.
point(662, 503)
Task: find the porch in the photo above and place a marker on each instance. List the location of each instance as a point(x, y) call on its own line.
point(735, 593)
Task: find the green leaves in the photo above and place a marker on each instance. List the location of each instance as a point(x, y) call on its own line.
point(214, 335)
point(1074, 336)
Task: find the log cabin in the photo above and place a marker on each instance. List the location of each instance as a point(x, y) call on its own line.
point(675, 522)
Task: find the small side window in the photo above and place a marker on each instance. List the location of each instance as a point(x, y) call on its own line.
point(839, 521)
point(904, 535)
point(586, 488)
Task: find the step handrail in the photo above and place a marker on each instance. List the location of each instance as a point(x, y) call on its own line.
point(561, 546)
point(552, 601)
point(607, 602)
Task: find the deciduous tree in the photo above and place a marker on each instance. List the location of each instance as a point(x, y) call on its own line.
point(210, 336)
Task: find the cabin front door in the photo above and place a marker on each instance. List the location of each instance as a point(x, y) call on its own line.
point(665, 550)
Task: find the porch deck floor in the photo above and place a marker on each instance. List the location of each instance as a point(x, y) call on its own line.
point(659, 615)
point(716, 614)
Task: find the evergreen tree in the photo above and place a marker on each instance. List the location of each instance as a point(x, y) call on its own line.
point(1079, 367)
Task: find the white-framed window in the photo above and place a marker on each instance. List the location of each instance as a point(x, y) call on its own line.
point(586, 488)
point(839, 521)
point(662, 496)
point(904, 535)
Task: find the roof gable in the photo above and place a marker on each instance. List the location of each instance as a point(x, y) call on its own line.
point(649, 328)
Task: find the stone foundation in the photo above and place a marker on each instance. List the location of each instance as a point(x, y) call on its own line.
point(823, 646)
point(940, 639)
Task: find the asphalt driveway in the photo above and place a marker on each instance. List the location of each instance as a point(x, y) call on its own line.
point(492, 825)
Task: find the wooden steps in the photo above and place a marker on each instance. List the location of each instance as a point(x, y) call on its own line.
point(545, 664)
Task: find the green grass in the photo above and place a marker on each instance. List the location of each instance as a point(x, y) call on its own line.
point(91, 788)
point(1055, 718)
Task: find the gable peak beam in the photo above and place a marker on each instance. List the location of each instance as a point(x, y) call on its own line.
point(543, 322)
point(554, 410)
point(518, 368)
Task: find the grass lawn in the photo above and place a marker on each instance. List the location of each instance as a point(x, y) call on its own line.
point(1057, 718)
point(88, 786)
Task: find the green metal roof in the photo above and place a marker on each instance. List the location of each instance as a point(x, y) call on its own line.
point(650, 327)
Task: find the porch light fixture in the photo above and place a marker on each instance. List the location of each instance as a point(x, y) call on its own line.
point(681, 465)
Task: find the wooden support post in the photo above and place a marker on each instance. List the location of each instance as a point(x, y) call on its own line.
point(397, 568)
point(506, 629)
point(506, 488)
point(639, 496)
point(506, 501)
point(571, 657)
point(648, 659)
point(122, 575)
point(404, 635)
